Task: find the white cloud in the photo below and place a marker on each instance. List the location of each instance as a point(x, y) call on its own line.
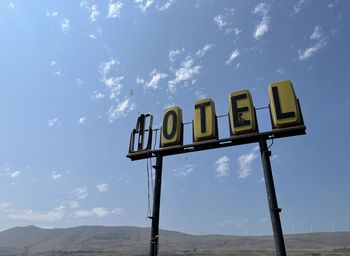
point(280, 71)
point(57, 73)
point(156, 77)
point(106, 67)
point(297, 7)
point(94, 13)
point(42, 216)
point(65, 25)
point(321, 41)
point(222, 167)
point(113, 84)
point(220, 22)
point(233, 56)
point(165, 6)
point(225, 23)
point(333, 4)
point(140, 80)
point(144, 4)
point(200, 94)
point(200, 53)
point(82, 120)
point(99, 212)
point(311, 51)
point(225, 224)
point(245, 163)
point(53, 122)
point(186, 72)
point(184, 171)
point(80, 193)
point(14, 174)
point(4, 205)
point(51, 14)
point(73, 204)
point(97, 95)
point(55, 175)
point(317, 34)
point(262, 28)
point(11, 6)
point(114, 9)
point(174, 53)
point(53, 63)
point(262, 9)
point(103, 187)
point(78, 81)
point(120, 110)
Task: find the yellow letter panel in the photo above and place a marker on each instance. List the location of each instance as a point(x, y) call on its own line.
point(171, 127)
point(242, 116)
point(284, 105)
point(204, 120)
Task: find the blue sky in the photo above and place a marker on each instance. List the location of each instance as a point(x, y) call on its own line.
point(66, 112)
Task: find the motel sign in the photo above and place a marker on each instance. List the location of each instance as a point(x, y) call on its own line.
point(286, 120)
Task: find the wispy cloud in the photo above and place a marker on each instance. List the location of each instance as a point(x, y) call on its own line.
point(78, 81)
point(297, 7)
point(184, 73)
point(200, 53)
point(4, 206)
point(14, 174)
point(103, 187)
point(53, 122)
point(166, 5)
point(11, 6)
point(65, 25)
point(113, 83)
point(262, 9)
point(120, 109)
point(144, 4)
point(94, 13)
point(245, 163)
point(232, 57)
point(225, 23)
point(51, 14)
point(99, 212)
point(319, 42)
point(53, 215)
point(280, 71)
point(80, 192)
point(73, 204)
point(316, 34)
point(156, 77)
point(82, 120)
point(93, 10)
point(184, 171)
point(174, 53)
point(222, 167)
point(97, 95)
point(55, 175)
point(114, 9)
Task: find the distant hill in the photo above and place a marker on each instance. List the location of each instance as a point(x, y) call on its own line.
point(98, 240)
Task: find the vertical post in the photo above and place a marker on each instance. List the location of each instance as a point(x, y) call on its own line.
point(272, 199)
point(156, 207)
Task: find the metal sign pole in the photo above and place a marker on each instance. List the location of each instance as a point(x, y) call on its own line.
point(156, 207)
point(272, 199)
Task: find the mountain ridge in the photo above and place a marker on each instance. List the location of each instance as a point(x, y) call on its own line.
point(130, 240)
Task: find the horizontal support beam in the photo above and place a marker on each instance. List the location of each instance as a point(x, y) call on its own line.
point(234, 140)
